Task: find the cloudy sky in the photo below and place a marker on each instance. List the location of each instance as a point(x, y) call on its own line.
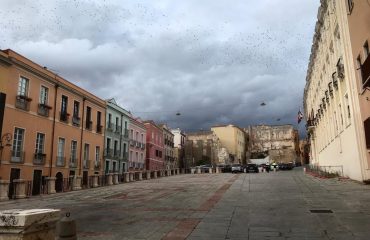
point(214, 61)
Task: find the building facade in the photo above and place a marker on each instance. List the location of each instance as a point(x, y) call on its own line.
point(168, 137)
point(68, 137)
point(154, 146)
point(116, 138)
point(233, 139)
point(202, 148)
point(137, 148)
point(280, 142)
point(335, 94)
point(179, 138)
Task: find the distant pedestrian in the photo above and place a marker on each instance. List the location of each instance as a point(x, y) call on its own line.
point(267, 168)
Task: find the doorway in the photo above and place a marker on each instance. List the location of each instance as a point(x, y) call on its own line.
point(15, 173)
point(36, 182)
point(85, 179)
point(59, 182)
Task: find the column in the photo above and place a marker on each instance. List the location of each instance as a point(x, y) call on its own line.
point(95, 180)
point(28, 224)
point(155, 174)
point(4, 188)
point(51, 184)
point(199, 170)
point(115, 178)
point(132, 176)
point(140, 176)
point(147, 175)
point(217, 170)
point(110, 179)
point(127, 176)
point(20, 185)
point(77, 180)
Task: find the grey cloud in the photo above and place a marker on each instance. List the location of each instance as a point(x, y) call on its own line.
point(213, 61)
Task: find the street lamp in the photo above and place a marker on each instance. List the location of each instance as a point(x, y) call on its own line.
point(5, 142)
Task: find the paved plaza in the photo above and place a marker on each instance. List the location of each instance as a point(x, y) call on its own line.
point(217, 206)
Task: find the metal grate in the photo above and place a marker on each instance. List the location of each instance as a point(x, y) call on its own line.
point(321, 211)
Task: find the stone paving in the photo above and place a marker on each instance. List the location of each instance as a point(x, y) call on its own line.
point(217, 206)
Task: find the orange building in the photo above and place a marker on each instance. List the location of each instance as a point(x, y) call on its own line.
point(57, 128)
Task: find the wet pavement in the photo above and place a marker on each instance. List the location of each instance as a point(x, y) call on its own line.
point(217, 206)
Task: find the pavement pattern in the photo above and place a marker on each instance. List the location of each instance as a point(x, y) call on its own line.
point(275, 205)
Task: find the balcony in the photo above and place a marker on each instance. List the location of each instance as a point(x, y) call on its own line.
point(17, 157)
point(125, 133)
point(39, 158)
point(118, 129)
point(86, 164)
point(310, 126)
point(108, 152)
point(125, 156)
point(43, 110)
point(97, 165)
point(365, 72)
point(76, 121)
point(61, 161)
point(23, 102)
point(89, 125)
point(116, 154)
point(99, 128)
point(330, 85)
point(143, 146)
point(64, 117)
point(340, 69)
point(110, 127)
point(132, 143)
point(137, 144)
point(73, 162)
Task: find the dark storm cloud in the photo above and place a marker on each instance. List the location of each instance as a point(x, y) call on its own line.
point(212, 61)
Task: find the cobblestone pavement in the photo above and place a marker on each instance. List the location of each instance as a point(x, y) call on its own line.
point(217, 206)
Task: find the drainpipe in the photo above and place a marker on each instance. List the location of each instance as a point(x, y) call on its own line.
point(82, 133)
point(53, 129)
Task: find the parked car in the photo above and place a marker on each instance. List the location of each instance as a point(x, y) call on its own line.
point(236, 168)
point(225, 168)
point(251, 167)
point(285, 166)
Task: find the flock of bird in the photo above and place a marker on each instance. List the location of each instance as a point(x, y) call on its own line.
point(272, 49)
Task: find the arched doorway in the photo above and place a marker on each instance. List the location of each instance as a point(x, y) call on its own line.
point(59, 182)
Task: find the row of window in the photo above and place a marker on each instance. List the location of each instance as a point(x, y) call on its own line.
point(18, 148)
point(23, 87)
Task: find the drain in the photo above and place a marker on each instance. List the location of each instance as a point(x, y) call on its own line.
point(321, 211)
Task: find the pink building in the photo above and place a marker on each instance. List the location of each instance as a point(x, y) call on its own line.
point(136, 160)
point(154, 146)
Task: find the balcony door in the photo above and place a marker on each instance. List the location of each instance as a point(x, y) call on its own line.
point(36, 183)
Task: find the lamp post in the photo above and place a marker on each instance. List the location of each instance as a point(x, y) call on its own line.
point(5, 142)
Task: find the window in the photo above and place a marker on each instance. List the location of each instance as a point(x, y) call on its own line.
point(97, 155)
point(88, 118)
point(115, 148)
point(117, 125)
point(137, 136)
point(76, 109)
point(17, 149)
point(23, 86)
point(40, 142)
point(349, 6)
point(366, 49)
point(63, 108)
point(86, 152)
point(60, 152)
point(73, 152)
point(99, 127)
point(44, 93)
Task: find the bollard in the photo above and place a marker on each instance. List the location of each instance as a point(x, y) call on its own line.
point(66, 228)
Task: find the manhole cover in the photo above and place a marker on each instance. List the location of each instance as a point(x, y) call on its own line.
point(321, 211)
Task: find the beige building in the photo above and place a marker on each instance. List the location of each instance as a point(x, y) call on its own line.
point(233, 139)
point(336, 92)
point(179, 137)
point(202, 148)
point(280, 142)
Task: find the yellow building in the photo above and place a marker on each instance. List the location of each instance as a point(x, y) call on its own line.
point(331, 96)
point(233, 139)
